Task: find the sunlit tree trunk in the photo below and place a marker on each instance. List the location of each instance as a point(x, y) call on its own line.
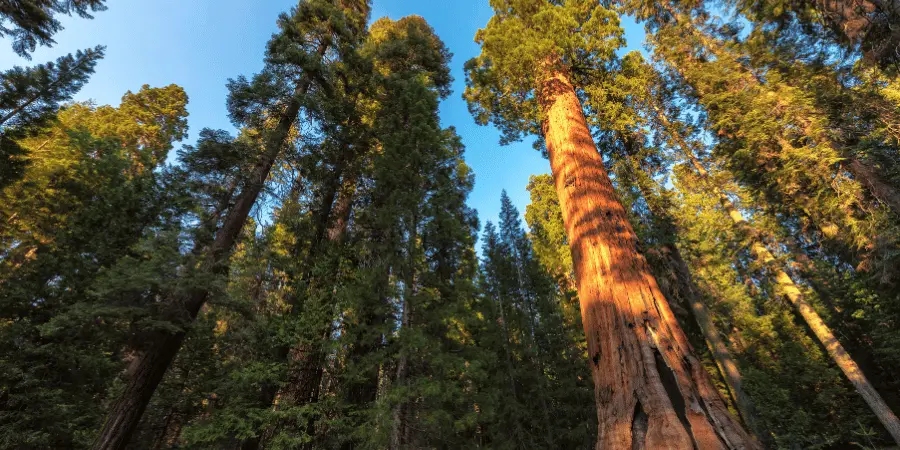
point(651, 391)
point(786, 286)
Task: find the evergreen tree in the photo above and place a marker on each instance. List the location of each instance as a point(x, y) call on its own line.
point(33, 22)
point(548, 232)
point(537, 50)
point(94, 169)
point(29, 99)
point(715, 221)
point(539, 361)
point(271, 104)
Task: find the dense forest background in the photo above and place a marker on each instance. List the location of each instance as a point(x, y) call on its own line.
point(713, 262)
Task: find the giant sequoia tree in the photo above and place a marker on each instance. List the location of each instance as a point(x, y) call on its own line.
point(650, 389)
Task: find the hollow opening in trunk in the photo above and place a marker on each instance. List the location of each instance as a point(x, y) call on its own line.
point(670, 383)
point(639, 424)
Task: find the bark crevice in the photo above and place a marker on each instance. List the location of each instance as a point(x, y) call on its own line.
point(670, 384)
point(639, 425)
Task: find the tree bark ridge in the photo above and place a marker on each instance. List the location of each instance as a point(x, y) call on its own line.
point(633, 338)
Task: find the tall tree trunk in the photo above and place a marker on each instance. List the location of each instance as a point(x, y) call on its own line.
point(307, 359)
point(786, 286)
point(147, 370)
point(651, 391)
point(398, 416)
point(724, 361)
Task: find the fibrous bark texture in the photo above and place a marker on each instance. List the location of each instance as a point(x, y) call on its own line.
point(651, 391)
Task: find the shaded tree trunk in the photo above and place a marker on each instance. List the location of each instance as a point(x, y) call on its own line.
point(651, 391)
point(307, 358)
point(147, 370)
point(724, 361)
point(690, 294)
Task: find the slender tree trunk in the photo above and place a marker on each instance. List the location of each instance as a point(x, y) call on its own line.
point(306, 358)
point(651, 392)
point(871, 178)
point(398, 415)
point(786, 286)
point(724, 361)
point(151, 364)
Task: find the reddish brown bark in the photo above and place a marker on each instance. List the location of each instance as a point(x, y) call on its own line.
point(651, 392)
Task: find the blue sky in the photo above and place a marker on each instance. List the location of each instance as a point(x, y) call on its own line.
point(199, 44)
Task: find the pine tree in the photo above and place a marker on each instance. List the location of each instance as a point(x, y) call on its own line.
point(535, 49)
point(296, 53)
point(94, 169)
point(412, 62)
point(29, 99)
point(33, 22)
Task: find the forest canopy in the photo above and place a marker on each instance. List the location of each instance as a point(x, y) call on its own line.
point(710, 263)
